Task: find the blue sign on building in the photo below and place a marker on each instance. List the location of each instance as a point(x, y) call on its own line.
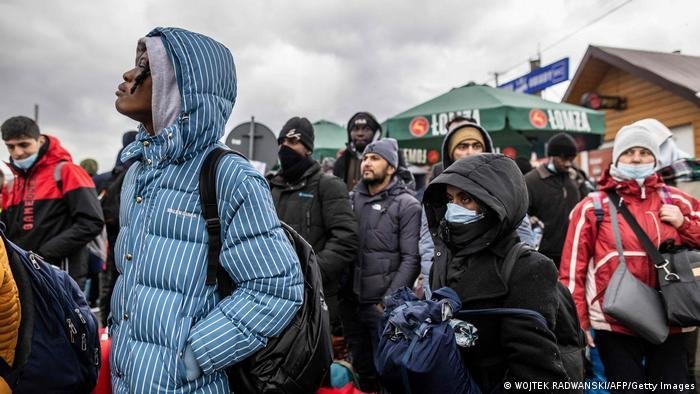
point(540, 78)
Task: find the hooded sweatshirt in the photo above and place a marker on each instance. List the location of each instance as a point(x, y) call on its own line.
point(447, 157)
point(469, 259)
point(426, 243)
point(347, 167)
point(164, 317)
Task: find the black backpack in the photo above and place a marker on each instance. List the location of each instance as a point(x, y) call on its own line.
point(109, 194)
point(298, 360)
point(570, 338)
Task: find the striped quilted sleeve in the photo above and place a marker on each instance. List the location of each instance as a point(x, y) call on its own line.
point(265, 268)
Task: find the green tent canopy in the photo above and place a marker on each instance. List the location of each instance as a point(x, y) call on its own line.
point(329, 137)
point(515, 121)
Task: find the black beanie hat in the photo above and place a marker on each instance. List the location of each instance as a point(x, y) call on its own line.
point(364, 118)
point(561, 144)
point(298, 128)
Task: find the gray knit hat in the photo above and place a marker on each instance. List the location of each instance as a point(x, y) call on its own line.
point(635, 135)
point(387, 148)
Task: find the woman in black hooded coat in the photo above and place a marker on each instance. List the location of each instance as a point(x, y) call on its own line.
point(470, 248)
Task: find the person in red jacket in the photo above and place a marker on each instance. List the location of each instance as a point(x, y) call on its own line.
point(590, 257)
point(55, 219)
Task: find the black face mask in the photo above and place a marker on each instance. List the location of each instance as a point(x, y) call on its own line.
point(293, 164)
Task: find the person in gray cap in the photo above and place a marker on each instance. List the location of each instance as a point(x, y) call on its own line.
point(389, 224)
point(552, 192)
point(669, 217)
point(317, 206)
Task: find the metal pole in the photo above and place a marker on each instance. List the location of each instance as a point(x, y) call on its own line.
point(36, 113)
point(251, 141)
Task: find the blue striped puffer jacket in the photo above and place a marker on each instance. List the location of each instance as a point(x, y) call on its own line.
point(160, 302)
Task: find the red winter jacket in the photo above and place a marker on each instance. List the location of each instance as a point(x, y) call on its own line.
point(590, 257)
point(56, 223)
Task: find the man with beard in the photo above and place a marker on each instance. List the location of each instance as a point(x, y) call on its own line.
point(363, 128)
point(316, 205)
point(389, 224)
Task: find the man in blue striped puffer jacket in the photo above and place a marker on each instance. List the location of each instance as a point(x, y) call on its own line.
point(170, 332)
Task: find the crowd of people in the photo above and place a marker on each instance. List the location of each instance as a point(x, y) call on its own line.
point(173, 332)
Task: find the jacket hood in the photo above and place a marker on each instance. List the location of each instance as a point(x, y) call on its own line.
point(494, 180)
point(194, 90)
point(447, 160)
point(373, 123)
point(51, 153)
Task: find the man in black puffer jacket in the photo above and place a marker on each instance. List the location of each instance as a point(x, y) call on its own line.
point(317, 206)
point(388, 226)
point(473, 209)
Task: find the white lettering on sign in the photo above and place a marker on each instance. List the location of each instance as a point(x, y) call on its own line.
point(539, 79)
point(568, 120)
point(416, 156)
point(438, 122)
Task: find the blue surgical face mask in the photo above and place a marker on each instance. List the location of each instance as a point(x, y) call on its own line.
point(636, 171)
point(26, 163)
point(458, 214)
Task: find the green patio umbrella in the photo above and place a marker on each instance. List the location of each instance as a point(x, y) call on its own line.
point(514, 120)
point(329, 137)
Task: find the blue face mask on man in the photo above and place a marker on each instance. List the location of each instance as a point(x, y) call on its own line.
point(636, 171)
point(460, 215)
point(26, 163)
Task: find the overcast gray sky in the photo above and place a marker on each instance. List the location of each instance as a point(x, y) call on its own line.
point(320, 59)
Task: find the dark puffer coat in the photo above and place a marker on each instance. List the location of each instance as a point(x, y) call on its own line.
point(509, 348)
point(389, 229)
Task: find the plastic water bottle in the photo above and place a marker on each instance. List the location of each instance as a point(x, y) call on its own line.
point(465, 333)
point(537, 231)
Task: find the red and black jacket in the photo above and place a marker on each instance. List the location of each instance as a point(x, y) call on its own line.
point(55, 221)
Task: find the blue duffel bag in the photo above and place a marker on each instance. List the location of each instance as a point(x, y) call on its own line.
point(417, 350)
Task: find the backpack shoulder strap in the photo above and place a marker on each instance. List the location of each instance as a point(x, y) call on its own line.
point(57, 175)
point(598, 207)
point(210, 212)
point(511, 257)
point(665, 194)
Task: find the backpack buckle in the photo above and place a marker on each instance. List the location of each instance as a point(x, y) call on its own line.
point(213, 225)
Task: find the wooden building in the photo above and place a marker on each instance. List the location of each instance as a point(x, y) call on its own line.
point(665, 86)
